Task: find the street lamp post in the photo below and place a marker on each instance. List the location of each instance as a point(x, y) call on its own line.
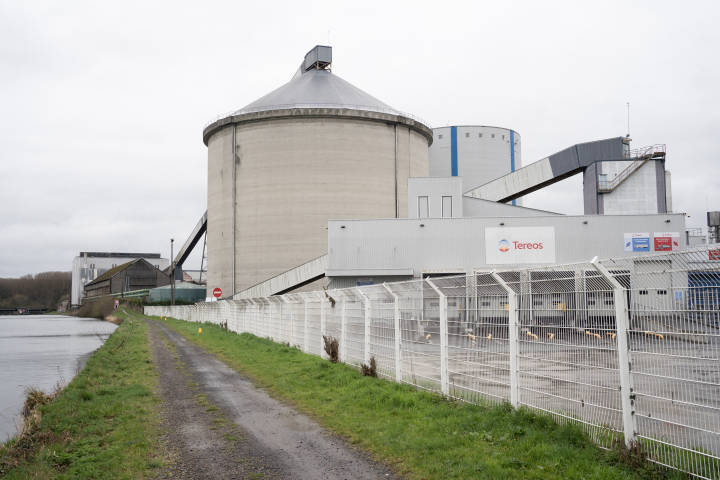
point(172, 273)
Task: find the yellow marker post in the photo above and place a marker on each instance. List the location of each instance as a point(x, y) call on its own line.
point(199, 330)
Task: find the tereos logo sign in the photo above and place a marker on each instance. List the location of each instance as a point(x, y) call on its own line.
point(519, 245)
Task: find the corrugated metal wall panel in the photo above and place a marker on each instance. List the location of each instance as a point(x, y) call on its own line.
point(660, 182)
point(460, 243)
point(600, 150)
point(435, 189)
point(324, 54)
point(590, 195)
point(564, 161)
point(349, 282)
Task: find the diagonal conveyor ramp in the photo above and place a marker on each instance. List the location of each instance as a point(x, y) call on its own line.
point(549, 170)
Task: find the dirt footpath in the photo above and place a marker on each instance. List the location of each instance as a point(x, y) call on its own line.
point(220, 426)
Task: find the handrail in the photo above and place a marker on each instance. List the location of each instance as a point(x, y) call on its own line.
point(650, 151)
point(289, 106)
point(641, 155)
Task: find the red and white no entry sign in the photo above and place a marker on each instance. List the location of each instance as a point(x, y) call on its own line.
point(217, 292)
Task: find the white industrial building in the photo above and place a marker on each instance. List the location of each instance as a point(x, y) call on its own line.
point(88, 266)
point(366, 252)
point(447, 233)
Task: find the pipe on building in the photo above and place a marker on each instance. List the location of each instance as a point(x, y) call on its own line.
point(234, 194)
point(397, 201)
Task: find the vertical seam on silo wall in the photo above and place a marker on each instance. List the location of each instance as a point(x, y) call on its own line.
point(453, 152)
point(512, 156)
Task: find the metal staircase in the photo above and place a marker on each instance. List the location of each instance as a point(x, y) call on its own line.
point(641, 156)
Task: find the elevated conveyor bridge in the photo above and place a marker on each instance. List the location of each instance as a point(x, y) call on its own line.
point(550, 170)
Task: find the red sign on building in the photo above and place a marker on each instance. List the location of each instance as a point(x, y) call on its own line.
point(217, 292)
point(714, 254)
point(663, 244)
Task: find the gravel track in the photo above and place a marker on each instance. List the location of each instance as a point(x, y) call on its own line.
point(250, 435)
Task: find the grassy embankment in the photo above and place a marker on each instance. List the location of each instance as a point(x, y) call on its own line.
point(104, 424)
point(422, 434)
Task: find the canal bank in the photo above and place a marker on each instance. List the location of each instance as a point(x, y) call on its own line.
point(40, 351)
point(104, 424)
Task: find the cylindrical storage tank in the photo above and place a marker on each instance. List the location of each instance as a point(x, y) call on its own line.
point(313, 150)
point(477, 153)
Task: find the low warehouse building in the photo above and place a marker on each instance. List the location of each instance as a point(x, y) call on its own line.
point(134, 275)
point(88, 266)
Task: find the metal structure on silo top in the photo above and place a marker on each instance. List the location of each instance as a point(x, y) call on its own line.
point(315, 149)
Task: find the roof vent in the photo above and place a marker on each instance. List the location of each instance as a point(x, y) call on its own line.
point(319, 58)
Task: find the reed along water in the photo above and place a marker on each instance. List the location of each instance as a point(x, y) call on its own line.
point(39, 350)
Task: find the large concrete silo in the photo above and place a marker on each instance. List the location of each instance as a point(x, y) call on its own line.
point(315, 149)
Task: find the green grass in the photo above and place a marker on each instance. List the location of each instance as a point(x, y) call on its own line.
point(421, 434)
point(104, 423)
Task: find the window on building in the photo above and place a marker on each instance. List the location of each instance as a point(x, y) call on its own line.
point(423, 207)
point(602, 181)
point(467, 135)
point(503, 137)
point(447, 207)
point(492, 135)
point(439, 137)
point(480, 135)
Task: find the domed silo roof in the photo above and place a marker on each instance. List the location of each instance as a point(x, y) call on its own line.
point(314, 86)
point(317, 88)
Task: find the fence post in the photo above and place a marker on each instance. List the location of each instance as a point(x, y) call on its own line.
point(244, 317)
point(268, 330)
point(280, 320)
point(343, 330)
point(622, 325)
point(305, 328)
point(398, 336)
point(292, 323)
point(322, 324)
point(513, 322)
point(252, 315)
point(367, 326)
point(443, 339)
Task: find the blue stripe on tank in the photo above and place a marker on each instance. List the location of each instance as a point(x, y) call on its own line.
point(512, 155)
point(453, 152)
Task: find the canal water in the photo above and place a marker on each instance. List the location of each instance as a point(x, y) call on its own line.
point(39, 350)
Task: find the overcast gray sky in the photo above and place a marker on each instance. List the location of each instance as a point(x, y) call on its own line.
point(102, 104)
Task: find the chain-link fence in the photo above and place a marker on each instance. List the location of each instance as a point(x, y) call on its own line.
point(629, 347)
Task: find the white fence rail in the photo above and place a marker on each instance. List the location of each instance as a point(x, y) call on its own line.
point(629, 347)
